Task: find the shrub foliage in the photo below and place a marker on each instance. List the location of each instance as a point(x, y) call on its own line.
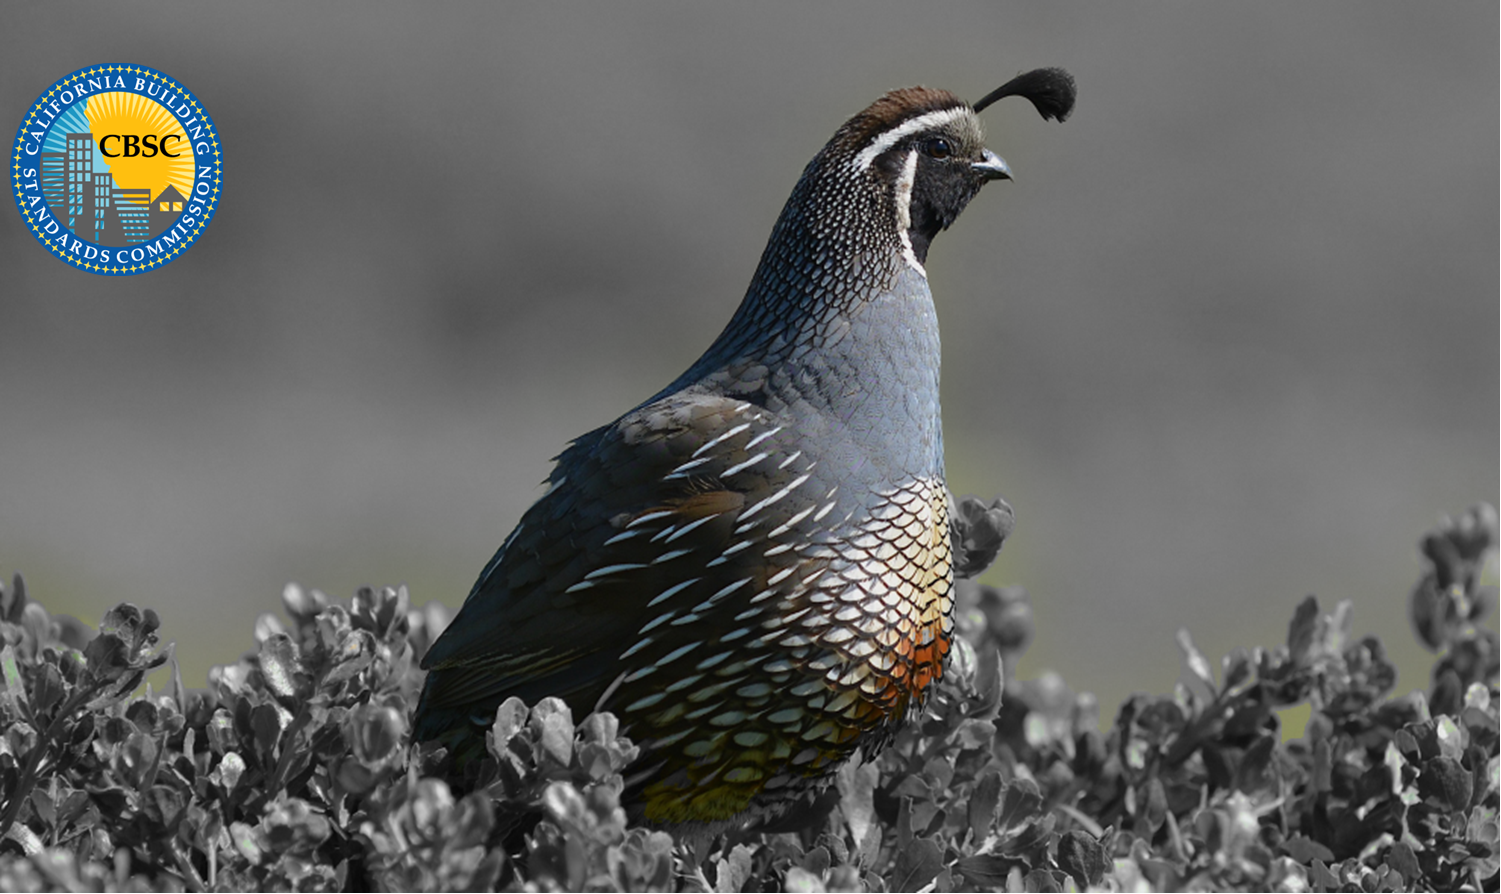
point(294, 770)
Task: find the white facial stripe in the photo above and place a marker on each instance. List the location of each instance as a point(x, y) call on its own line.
point(906, 129)
point(904, 210)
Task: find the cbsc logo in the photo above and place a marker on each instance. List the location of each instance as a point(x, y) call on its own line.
point(117, 169)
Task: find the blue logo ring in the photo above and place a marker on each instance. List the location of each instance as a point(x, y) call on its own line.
point(126, 201)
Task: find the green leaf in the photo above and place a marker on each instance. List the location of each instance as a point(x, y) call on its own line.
point(985, 870)
point(1402, 859)
point(1042, 880)
point(1304, 632)
point(375, 733)
point(301, 603)
point(733, 870)
point(137, 757)
point(1254, 772)
point(983, 804)
point(1306, 850)
point(857, 781)
point(817, 860)
point(14, 705)
point(292, 825)
point(510, 719)
point(1446, 781)
point(280, 664)
point(247, 841)
point(1197, 666)
point(1021, 803)
point(266, 723)
point(990, 682)
point(13, 600)
point(1083, 857)
point(798, 879)
point(227, 774)
point(916, 865)
point(553, 721)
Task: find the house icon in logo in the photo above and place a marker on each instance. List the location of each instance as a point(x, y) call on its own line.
point(166, 208)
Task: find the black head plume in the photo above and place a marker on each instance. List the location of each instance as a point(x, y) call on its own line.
point(1051, 90)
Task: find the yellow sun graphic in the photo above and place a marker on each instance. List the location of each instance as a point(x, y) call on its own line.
point(128, 115)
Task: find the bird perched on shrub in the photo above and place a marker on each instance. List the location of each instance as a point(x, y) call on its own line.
point(753, 568)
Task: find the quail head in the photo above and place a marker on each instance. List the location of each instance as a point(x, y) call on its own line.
point(752, 569)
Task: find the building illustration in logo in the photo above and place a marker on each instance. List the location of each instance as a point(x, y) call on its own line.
point(117, 169)
point(94, 207)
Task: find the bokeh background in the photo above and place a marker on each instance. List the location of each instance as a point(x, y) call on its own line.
point(1231, 337)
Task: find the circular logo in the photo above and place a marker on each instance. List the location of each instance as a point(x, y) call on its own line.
point(117, 169)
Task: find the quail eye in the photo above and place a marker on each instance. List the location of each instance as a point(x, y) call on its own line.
point(938, 148)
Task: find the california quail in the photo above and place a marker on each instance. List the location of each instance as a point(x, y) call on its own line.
point(752, 568)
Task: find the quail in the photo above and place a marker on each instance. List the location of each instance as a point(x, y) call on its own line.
point(752, 569)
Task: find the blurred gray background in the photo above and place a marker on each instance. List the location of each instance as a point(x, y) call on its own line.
point(1230, 338)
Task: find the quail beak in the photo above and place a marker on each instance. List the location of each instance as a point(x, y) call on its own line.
point(991, 166)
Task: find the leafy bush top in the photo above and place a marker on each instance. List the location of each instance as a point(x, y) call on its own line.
point(294, 770)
